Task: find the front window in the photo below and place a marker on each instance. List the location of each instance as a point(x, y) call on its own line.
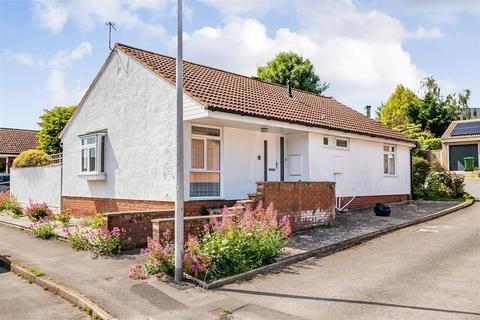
point(389, 160)
point(205, 172)
point(341, 143)
point(92, 154)
point(3, 166)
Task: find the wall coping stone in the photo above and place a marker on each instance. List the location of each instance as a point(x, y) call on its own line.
point(190, 218)
point(294, 182)
point(133, 212)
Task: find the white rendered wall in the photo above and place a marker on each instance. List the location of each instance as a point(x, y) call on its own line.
point(359, 169)
point(242, 168)
point(137, 109)
point(38, 184)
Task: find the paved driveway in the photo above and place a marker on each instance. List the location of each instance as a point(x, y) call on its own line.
point(429, 271)
point(22, 300)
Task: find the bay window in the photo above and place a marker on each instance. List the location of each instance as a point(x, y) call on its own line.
point(389, 160)
point(205, 173)
point(93, 153)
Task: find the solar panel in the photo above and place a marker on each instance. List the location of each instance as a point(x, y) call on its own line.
point(466, 128)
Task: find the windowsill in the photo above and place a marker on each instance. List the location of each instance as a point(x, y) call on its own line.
point(92, 176)
point(336, 148)
point(205, 198)
point(390, 176)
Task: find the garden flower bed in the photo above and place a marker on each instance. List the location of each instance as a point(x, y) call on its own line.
point(238, 242)
point(82, 233)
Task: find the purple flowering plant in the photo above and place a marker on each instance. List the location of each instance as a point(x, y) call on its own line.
point(38, 210)
point(98, 241)
point(239, 241)
point(43, 228)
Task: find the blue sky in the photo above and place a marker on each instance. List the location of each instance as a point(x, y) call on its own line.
point(50, 51)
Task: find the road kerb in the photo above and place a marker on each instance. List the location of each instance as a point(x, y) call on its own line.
point(325, 250)
point(43, 281)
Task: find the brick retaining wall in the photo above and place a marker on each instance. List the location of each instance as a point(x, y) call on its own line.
point(90, 206)
point(137, 225)
point(370, 201)
point(308, 204)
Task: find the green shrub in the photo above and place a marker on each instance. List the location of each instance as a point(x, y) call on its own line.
point(444, 185)
point(97, 221)
point(64, 217)
point(10, 204)
point(433, 143)
point(421, 169)
point(31, 158)
point(43, 228)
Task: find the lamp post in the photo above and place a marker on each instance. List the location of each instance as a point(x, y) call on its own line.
point(179, 152)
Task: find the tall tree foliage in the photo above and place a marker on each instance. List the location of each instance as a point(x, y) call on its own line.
point(434, 113)
point(51, 124)
point(290, 65)
point(394, 112)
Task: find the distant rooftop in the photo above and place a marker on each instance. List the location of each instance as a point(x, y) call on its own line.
point(15, 141)
point(463, 129)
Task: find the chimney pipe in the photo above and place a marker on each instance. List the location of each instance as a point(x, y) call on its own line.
point(289, 88)
point(367, 109)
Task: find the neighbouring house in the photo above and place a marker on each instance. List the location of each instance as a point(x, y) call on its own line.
point(243, 137)
point(460, 140)
point(12, 143)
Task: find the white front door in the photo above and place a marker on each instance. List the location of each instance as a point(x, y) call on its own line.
point(271, 160)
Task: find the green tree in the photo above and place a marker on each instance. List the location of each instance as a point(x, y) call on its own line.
point(51, 124)
point(434, 113)
point(394, 112)
point(289, 65)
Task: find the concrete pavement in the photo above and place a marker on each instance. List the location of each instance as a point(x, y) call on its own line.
point(22, 300)
point(428, 271)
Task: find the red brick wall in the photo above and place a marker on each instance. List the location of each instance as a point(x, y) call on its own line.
point(90, 206)
point(370, 201)
point(192, 208)
point(191, 225)
point(137, 225)
point(308, 204)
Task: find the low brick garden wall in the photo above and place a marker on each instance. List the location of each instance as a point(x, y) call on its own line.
point(137, 224)
point(191, 225)
point(307, 204)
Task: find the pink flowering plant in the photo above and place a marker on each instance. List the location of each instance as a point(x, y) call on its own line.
point(10, 204)
point(43, 228)
point(38, 210)
point(240, 241)
point(99, 241)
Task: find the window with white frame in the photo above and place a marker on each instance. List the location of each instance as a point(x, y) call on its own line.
point(389, 160)
point(341, 143)
point(93, 154)
point(205, 173)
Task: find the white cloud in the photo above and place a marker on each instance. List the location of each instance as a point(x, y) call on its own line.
point(423, 33)
point(58, 66)
point(22, 58)
point(54, 14)
point(243, 6)
point(359, 53)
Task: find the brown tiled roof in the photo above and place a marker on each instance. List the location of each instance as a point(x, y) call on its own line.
point(448, 133)
point(219, 90)
point(15, 141)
